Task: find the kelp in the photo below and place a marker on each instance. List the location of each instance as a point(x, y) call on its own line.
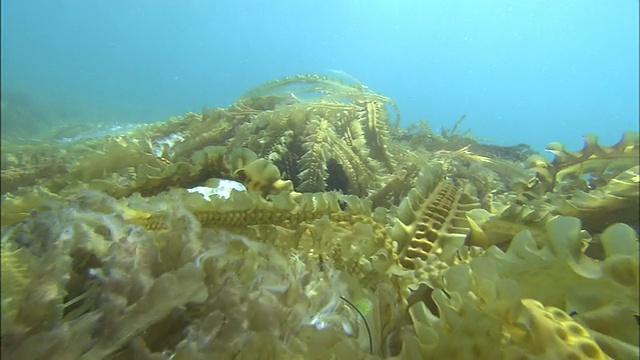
point(301, 222)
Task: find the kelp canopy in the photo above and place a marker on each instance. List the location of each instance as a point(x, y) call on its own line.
point(302, 222)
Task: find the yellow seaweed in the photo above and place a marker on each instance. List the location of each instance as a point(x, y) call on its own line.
point(128, 247)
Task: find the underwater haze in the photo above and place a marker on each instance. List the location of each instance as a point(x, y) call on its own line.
point(522, 71)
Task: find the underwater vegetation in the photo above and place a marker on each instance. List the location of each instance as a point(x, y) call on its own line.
point(302, 222)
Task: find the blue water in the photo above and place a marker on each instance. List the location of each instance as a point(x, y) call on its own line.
point(522, 71)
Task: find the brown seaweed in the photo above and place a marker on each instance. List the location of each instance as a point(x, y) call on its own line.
point(239, 232)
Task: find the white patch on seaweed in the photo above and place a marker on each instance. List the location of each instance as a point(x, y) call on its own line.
point(223, 190)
